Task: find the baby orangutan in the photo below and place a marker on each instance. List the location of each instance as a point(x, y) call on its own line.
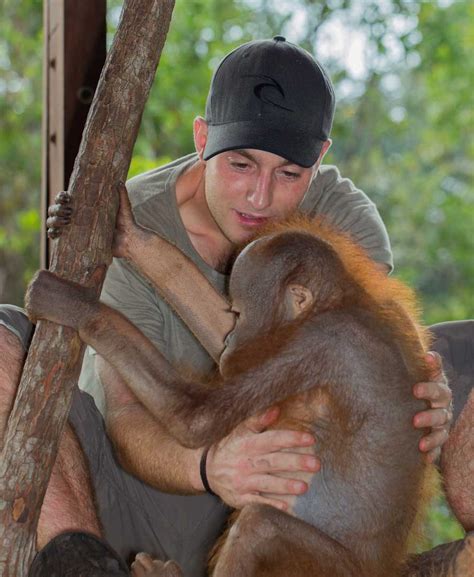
point(331, 340)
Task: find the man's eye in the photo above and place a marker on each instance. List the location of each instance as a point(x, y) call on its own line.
point(239, 165)
point(292, 175)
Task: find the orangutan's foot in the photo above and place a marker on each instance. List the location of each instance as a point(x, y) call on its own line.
point(454, 559)
point(146, 566)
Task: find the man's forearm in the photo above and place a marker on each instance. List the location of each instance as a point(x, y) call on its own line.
point(149, 453)
point(143, 446)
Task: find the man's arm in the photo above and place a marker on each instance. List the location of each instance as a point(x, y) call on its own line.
point(244, 463)
point(457, 465)
point(238, 467)
point(143, 445)
point(439, 416)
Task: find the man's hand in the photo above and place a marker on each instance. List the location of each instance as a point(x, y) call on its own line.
point(245, 463)
point(438, 418)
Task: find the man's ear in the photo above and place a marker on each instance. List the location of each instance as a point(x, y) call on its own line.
point(301, 298)
point(325, 148)
point(200, 135)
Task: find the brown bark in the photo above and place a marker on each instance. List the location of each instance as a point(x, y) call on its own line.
point(81, 254)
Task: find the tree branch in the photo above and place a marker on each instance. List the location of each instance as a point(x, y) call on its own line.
point(82, 254)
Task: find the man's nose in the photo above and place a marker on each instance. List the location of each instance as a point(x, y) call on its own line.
point(261, 196)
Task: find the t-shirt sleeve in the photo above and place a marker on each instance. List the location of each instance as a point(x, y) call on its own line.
point(15, 320)
point(350, 210)
point(128, 292)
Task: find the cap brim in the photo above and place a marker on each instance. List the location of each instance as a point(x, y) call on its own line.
point(290, 143)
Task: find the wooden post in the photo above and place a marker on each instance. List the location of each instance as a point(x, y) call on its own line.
point(81, 254)
point(74, 54)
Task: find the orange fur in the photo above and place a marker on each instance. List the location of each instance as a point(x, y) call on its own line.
point(398, 303)
point(397, 306)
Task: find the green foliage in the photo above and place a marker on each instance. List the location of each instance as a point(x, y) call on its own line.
point(441, 527)
point(403, 129)
point(20, 145)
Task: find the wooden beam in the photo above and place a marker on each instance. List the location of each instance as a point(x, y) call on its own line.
point(74, 54)
point(82, 255)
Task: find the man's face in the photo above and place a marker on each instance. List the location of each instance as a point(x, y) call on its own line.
point(246, 188)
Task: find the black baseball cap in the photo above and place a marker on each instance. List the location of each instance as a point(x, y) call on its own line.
point(270, 95)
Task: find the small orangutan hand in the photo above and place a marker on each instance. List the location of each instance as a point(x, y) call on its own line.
point(128, 234)
point(438, 418)
point(59, 214)
point(52, 298)
point(146, 566)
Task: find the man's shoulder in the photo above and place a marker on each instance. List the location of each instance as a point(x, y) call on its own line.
point(329, 182)
point(153, 194)
point(148, 184)
point(330, 193)
point(349, 209)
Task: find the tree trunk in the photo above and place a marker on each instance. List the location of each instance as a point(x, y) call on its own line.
point(81, 254)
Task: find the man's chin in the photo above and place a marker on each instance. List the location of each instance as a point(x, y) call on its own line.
point(245, 237)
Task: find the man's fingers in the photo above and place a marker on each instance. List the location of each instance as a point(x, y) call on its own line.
point(432, 418)
point(434, 440)
point(437, 393)
point(274, 485)
point(260, 422)
point(432, 456)
point(275, 440)
point(256, 498)
point(284, 461)
point(436, 365)
point(438, 418)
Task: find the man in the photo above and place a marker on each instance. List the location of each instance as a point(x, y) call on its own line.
point(258, 156)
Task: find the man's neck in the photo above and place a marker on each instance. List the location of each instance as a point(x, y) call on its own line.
point(206, 237)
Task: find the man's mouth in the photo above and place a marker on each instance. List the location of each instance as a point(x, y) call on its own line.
point(250, 219)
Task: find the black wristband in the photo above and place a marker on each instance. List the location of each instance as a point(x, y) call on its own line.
point(203, 472)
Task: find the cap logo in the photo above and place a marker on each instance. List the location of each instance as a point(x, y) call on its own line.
point(265, 90)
